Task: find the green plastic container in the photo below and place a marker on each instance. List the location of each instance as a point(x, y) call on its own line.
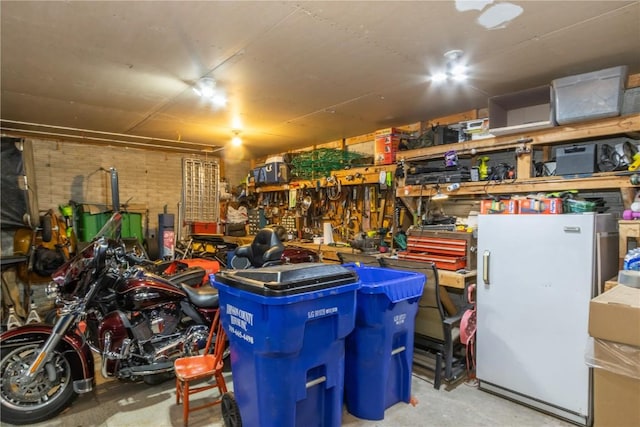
point(89, 224)
point(132, 225)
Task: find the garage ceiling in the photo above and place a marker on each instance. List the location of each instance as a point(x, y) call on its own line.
point(294, 73)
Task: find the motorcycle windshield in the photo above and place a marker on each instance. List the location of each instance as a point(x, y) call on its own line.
point(111, 229)
point(70, 270)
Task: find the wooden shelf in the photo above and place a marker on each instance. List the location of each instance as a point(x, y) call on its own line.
point(524, 143)
point(599, 181)
point(347, 177)
point(527, 138)
point(527, 142)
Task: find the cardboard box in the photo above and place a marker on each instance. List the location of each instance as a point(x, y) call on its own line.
point(616, 400)
point(489, 206)
point(616, 383)
point(545, 206)
point(614, 319)
point(615, 316)
point(385, 149)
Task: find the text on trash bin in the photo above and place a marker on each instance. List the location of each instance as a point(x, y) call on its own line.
point(321, 312)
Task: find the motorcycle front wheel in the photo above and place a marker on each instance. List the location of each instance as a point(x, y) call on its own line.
point(50, 391)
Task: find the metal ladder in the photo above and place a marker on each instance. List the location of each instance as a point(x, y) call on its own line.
point(201, 188)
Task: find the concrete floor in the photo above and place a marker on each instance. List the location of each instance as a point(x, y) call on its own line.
point(117, 404)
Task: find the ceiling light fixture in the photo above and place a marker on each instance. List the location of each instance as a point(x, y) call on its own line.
point(236, 141)
point(455, 69)
point(206, 88)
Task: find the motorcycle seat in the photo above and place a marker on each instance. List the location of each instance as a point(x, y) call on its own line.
point(266, 248)
point(192, 276)
point(202, 296)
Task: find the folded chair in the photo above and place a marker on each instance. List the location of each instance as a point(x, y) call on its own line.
point(203, 367)
point(436, 331)
point(358, 259)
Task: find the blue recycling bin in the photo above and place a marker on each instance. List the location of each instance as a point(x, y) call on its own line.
point(287, 326)
point(379, 351)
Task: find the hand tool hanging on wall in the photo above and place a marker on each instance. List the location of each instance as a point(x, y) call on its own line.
point(366, 209)
point(382, 208)
point(373, 207)
point(265, 205)
point(354, 221)
point(293, 198)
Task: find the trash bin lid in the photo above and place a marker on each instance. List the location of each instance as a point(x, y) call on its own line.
point(397, 285)
point(288, 279)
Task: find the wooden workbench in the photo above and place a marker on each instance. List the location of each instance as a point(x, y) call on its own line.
point(450, 279)
point(329, 254)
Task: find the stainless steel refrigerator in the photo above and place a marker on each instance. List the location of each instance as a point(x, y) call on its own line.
point(536, 275)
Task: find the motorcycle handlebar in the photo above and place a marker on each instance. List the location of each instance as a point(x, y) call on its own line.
point(137, 260)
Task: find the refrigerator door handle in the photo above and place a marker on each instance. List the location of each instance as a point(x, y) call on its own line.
point(485, 266)
point(571, 229)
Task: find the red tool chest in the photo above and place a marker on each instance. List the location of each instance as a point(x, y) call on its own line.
point(449, 250)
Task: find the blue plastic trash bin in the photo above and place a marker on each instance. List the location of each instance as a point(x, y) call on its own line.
point(379, 351)
point(287, 326)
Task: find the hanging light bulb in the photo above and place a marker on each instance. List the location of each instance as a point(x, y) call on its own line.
point(236, 141)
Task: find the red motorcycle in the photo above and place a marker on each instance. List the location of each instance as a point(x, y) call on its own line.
point(137, 321)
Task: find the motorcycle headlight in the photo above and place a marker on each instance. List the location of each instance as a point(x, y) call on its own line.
point(52, 290)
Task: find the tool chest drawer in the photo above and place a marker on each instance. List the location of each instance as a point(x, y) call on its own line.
point(450, 250)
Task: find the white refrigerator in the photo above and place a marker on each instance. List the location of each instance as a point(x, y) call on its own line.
point(536, 276)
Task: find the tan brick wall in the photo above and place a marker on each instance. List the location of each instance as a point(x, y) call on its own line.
point(148, 180)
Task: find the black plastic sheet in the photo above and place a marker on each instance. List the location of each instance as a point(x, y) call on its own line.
point(13, 202)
